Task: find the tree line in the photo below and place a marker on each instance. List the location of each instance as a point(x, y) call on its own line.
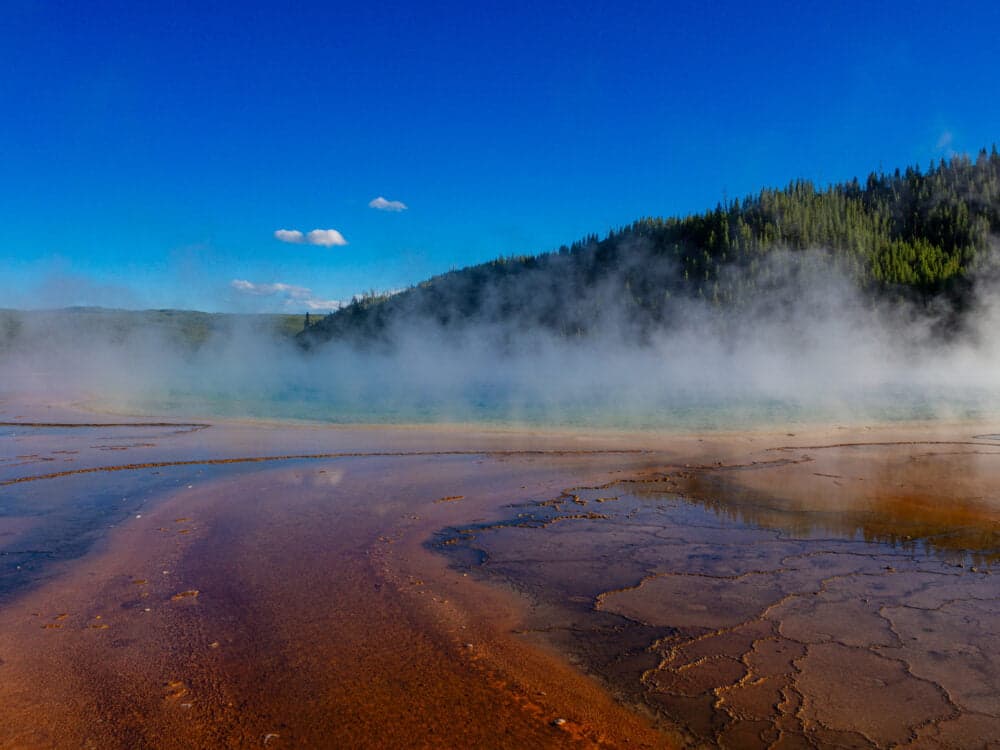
point(914, 234)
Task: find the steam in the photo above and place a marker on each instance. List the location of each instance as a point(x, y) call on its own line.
point(808, 347)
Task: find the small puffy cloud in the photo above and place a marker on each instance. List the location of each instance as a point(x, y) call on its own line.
point(382, 204)
point(325, 237)
point(290, 235)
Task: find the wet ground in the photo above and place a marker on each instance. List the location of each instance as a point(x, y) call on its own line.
point(228, 592)
point(776, 603)
point(245, 585)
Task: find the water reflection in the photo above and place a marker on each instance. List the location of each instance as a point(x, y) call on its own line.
point(818, 614)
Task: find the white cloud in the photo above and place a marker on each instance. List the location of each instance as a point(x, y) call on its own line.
point(266, 290)
point(382, 204)
point(289, 235)
point(295, 297)
point(325, 237)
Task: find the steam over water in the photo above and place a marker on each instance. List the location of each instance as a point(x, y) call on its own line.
point(488, 406)
point(809, 349)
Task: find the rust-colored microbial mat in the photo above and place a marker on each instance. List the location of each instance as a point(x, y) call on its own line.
point(192, 601)
point(169, 585)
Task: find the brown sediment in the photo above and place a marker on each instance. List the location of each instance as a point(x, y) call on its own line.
point(92, 425)
point(122, 447)
point(883, 444)
point(293, 457)
point(304, 611)
point(747, 600)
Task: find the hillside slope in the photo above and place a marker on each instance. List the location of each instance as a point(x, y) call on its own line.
point(916, 235)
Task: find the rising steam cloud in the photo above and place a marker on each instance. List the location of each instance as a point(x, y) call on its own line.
point(809, 347)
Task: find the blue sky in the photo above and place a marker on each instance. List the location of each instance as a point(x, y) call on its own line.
point(149, 154)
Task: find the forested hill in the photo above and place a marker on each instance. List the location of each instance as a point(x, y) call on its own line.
point(912, 233)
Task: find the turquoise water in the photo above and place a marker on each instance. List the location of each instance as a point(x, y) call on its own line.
point(676, 410)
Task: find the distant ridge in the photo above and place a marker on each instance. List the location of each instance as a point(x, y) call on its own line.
point(188, 328)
